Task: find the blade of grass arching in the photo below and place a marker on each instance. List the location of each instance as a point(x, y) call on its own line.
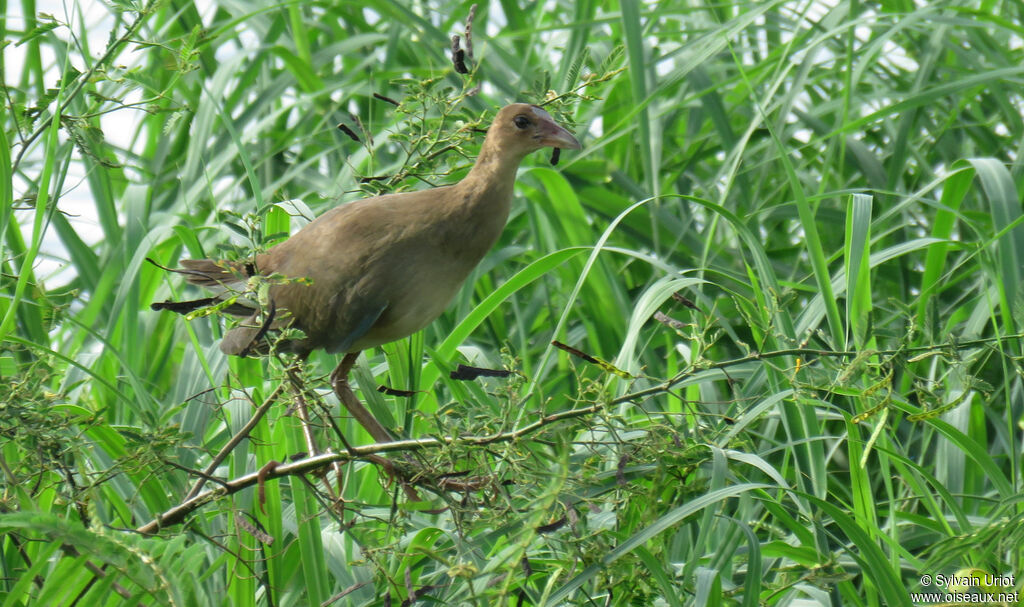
point(646, 305)
point(954, 189)
point(632, 31)
point(542, 367)
point(307, 523)
point(801, 423)
point(928, 96)
point(664, 523)
point(302, 69)
point(759, 463)
point(878, 572)
point(486, 307)
point(976, 451)
point(579, 31)
point(762, 266)
point(752, 586)
point(656, 567)
point(6, 177)
point(51, 147)
point(228, 122)
point(812, 241)
point(858, 271)
point(1001, 192)
point(21, 590)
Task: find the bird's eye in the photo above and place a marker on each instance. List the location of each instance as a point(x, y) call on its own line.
point(521, 122)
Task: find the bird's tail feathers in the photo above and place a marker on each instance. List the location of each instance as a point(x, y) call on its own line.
point(212, 273)
point(234, 294)
point(227, 279)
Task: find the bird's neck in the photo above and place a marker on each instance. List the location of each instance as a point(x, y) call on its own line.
point(480, 203)
point(489, 184)
point(494, 170)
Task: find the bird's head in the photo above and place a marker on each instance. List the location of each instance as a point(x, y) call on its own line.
point(526, 128)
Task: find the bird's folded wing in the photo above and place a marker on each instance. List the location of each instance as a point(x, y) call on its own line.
point(361, 322)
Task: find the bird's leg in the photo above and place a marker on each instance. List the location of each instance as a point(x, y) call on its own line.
point(339, 380)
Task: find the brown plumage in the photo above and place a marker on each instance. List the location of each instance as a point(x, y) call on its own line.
point(382, 268)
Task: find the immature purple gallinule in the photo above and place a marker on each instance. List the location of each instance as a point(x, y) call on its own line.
point(379, 269)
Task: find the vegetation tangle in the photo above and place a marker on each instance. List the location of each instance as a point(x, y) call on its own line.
point(759, 342)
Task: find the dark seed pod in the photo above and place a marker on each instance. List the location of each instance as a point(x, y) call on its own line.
point(458, 57)
point(387, 99)
point(344, 129)
point(467, 373)
point(469, 31)
point(459, 61)
point(393, 392)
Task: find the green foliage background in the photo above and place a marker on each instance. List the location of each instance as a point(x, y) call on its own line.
point(796, 226)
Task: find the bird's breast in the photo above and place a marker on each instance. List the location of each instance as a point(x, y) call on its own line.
point(419, 295)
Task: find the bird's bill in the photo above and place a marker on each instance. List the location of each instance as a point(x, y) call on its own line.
point(554, 135)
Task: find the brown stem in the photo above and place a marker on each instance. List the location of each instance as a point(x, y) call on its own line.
point(231, 444)
point(178, 513)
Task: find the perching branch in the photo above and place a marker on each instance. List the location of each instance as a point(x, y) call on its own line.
point(177, 514)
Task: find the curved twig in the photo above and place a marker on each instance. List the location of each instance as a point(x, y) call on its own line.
point(177, 514)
